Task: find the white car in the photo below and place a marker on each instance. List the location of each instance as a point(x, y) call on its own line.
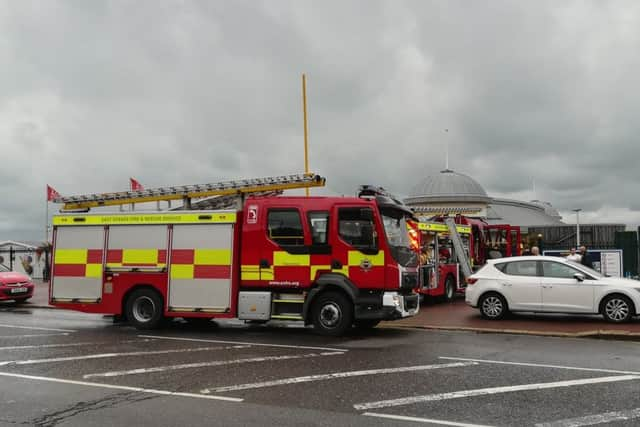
point(551, 285)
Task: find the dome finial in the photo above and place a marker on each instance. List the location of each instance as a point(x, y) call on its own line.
point(446, 161)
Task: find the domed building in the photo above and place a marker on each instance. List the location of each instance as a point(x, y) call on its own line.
point(453, 193)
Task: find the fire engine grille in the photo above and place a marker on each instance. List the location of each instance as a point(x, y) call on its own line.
point(409, 281)
point(411, 302)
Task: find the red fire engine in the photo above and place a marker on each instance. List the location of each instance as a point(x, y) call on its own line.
point(449, 256)
point(440, 265)
point(332, 262)
point(503, 239)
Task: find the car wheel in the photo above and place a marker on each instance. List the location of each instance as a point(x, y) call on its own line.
point(449, 289)
point(366, 323)
point(332, 314)
point(493, 306)
point(144, 309)
point(617, 309)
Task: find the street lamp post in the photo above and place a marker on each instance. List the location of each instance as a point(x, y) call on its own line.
point(577, 211)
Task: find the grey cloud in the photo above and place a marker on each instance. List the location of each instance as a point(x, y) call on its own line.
point(192, 92)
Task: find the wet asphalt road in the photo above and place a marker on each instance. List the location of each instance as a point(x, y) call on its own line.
point(61, 368)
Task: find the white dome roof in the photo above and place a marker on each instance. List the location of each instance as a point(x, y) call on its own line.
point(447, 186)
point(548, 208)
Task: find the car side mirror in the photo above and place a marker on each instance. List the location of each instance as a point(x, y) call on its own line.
point(579, 277)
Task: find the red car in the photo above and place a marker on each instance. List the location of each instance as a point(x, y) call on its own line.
point(14, 286)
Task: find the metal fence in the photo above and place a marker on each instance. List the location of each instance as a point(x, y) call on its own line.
point(593, 236)
point(33, 262)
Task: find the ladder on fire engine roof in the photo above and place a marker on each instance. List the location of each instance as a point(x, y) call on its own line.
point(465, 265)
point(224, 202)
point(235, 188)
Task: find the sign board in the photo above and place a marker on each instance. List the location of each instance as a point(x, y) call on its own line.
point(443, 228)
point(144, 218)
point(606, 261)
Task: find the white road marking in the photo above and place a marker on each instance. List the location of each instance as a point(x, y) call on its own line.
point(422, 420)
point(121, 387)
point(36, 328)
point(491, 390)
point(301, 347)
point(108, 355)
point(34, 335)
point(591, 420)
point(538, 365)
point(322, 377)
point(208, 364)
point(75, 344)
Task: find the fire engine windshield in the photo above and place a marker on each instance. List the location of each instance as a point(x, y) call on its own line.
point(398, 239)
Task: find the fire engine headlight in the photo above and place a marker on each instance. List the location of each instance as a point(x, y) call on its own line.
point(391, 299)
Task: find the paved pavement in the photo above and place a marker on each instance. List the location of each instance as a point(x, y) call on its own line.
point(63, 368)
point(458, 316)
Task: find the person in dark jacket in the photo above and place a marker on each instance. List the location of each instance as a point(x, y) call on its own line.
point(585, 257)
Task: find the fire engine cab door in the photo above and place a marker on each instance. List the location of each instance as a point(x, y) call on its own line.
point(200, 267)
point(285, 260)
point(356, 250)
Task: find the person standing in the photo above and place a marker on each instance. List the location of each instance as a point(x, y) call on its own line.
point(495, 253)
point(585, 257)
point(573, 256)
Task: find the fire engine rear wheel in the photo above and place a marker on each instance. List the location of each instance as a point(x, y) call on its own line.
point(332, 314)
point(449, 288)
point(144, 309)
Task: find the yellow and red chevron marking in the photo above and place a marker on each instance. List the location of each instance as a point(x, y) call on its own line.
point(136, 257)
point(201, 264)
point(294, 267)
point(78, 262)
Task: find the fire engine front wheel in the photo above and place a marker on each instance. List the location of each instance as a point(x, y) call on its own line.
point(332, 314)
point(144, 309)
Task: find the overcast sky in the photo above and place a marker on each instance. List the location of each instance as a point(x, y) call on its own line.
point(185, 92)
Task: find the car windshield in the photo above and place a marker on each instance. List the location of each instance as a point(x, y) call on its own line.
point(591, 271)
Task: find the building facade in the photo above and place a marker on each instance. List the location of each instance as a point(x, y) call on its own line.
point(453, 193)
